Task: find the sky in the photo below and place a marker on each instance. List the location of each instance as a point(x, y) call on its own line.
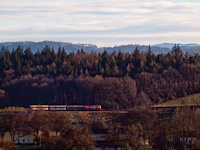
point(101, 22)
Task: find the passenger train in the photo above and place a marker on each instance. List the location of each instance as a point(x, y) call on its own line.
point(65, 107)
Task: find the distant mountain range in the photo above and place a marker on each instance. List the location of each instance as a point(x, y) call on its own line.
point(171, 45)
point(70, 47)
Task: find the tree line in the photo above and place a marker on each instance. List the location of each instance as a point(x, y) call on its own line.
point(96, 78)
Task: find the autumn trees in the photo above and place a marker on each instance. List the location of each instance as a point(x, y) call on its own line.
point(179, 131)
point(111, 93)
point(50, 130)
point(139, 128)
point(62, 134)
point(133, 137)
point(160, 77)
point(16, 125)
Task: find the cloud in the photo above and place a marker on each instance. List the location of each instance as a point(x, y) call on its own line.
point(113, 19)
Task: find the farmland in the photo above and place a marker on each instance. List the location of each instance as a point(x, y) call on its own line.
point(191, 100)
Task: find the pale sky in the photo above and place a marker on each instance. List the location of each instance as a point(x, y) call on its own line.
point(101, 22)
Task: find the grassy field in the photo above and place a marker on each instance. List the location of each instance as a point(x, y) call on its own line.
point(191, 100)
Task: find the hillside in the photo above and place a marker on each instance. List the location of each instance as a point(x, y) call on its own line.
point(191, 100)
point(117, 81)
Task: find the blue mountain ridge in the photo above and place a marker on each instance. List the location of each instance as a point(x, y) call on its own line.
point(70, 47)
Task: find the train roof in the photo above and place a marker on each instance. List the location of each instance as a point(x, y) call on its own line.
point(62, 105)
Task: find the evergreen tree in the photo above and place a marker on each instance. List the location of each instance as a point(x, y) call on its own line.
point(37, 58)
point(5, 58)
point(149, 55)
point(28, 58)
point(105, 59)
point(176, 49)
point(136, 62)
point(120, 63)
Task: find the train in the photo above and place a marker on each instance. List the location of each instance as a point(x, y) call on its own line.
point(65, 107)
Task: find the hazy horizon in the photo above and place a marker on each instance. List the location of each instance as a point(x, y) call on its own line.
point(97, 45)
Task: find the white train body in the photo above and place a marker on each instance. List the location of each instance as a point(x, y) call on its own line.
point(65, 107)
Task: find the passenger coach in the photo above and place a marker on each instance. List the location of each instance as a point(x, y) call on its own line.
point(65, 107)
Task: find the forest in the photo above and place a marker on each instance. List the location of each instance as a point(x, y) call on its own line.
point(113, 80)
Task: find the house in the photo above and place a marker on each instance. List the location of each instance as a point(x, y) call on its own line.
point(19, 138)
